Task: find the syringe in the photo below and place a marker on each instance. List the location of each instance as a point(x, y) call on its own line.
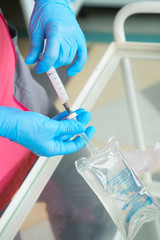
point(62, 94)
point(59, 87)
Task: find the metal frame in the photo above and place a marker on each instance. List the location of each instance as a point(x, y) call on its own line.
point(107, 3)
point(26, 196)
point(119, 36)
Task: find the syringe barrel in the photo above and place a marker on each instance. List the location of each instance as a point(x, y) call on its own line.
point(58, 85)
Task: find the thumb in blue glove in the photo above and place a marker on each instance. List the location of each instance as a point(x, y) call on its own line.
point(42, 135)
point(54, 21)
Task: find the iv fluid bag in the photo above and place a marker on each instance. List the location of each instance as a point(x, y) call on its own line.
point(121, 192)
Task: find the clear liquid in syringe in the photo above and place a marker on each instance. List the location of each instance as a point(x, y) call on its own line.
point(58, 85)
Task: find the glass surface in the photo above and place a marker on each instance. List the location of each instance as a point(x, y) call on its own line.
point(110, 112)
point(67, 208)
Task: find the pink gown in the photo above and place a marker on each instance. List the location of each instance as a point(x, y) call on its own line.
point(15, 160)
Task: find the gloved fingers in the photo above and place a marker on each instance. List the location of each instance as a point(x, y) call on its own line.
point(84, 117)
point(50, 55)
point(37, 43)
point(80, 61)
point(78, 140)
point(10, 109)
point(68, 127)
point(90, 131)
point(63, 54)
point(77, 143)
point(80, 110)
point(60, 116)
point(64, 114)
point(73, 52)
point(65, 137)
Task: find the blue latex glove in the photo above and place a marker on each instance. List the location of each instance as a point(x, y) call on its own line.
point(54, 21)
point(42, 135)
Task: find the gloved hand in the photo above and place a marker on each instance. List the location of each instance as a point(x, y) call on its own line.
point(42, 135)
point(54, 21)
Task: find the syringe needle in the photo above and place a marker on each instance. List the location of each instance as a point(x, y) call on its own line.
point(67, 107)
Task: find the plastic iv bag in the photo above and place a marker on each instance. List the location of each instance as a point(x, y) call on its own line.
point(143, 161)
point(121, 192)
